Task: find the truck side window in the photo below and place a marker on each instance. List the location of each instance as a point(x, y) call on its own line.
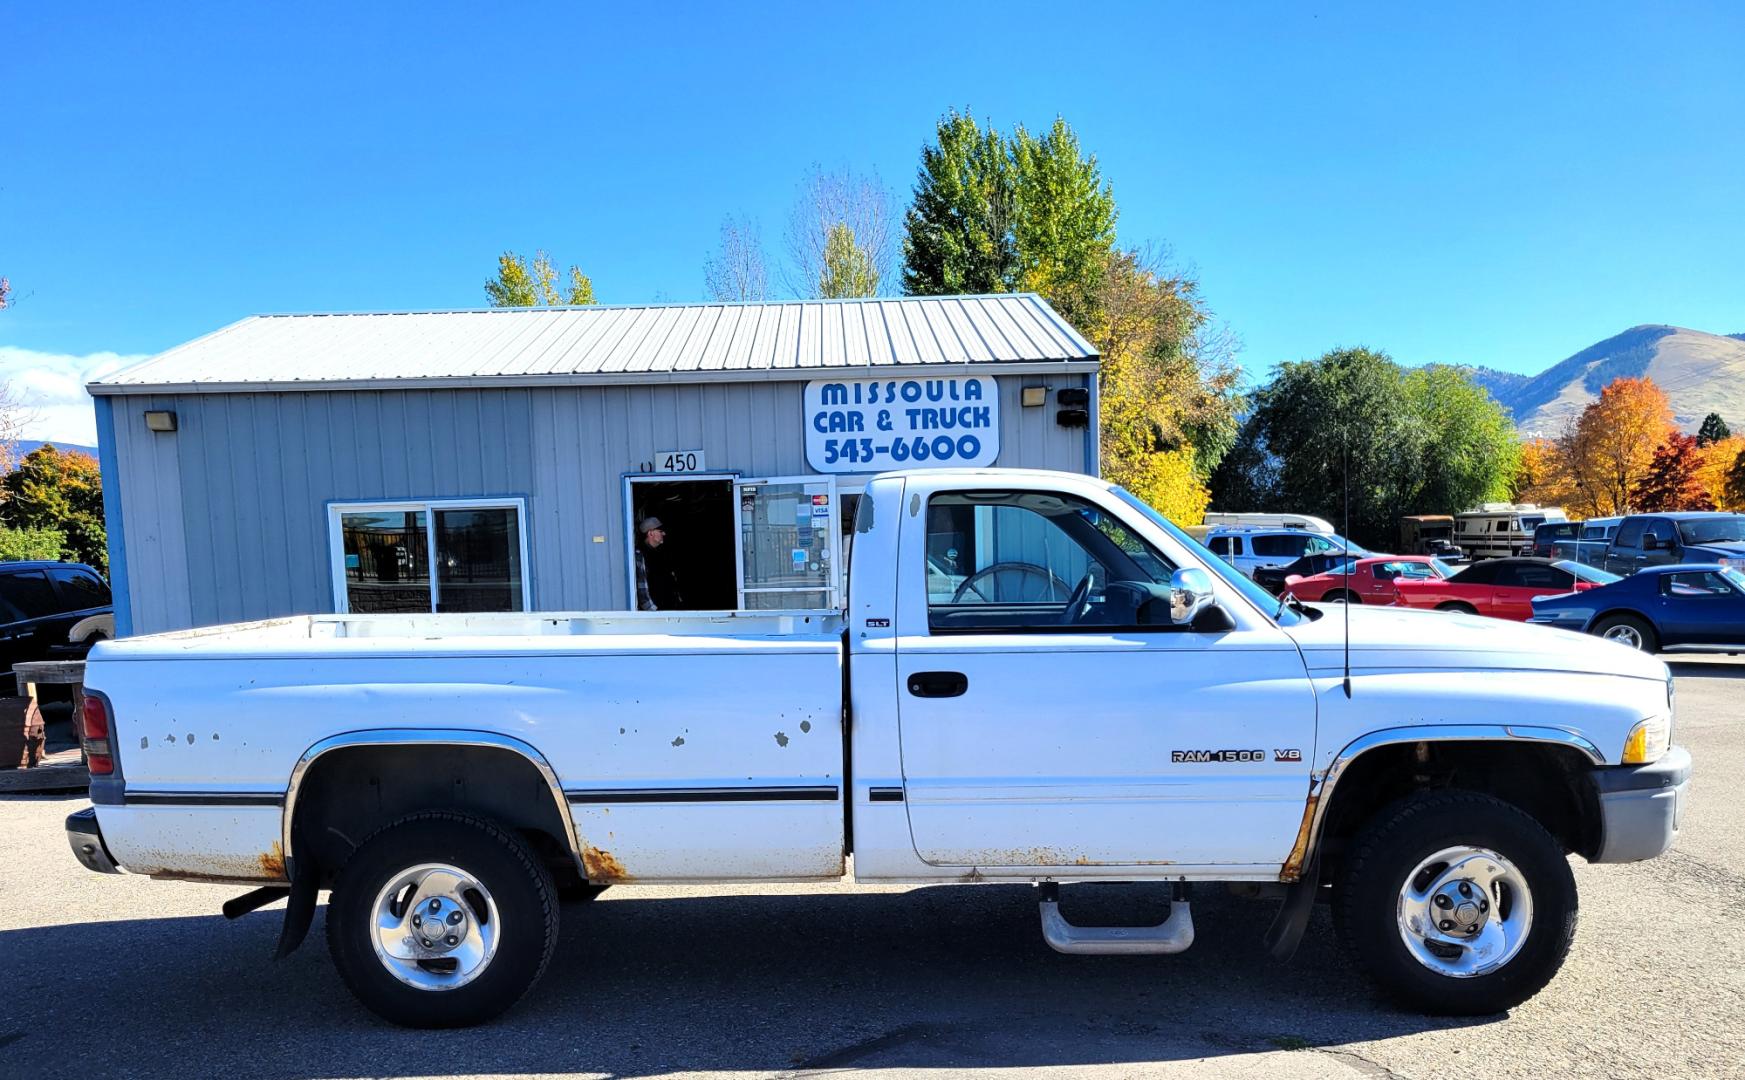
point(80, 589)
point(30, 592)
point(1220, 545)
point(1000, 561)
point(1630, 533)
point(1662, 530)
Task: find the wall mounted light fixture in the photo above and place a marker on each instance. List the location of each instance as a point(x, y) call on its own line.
point(160, 420)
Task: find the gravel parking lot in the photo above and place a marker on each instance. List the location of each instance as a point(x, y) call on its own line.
point(105, 975)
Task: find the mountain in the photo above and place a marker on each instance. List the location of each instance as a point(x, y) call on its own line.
point(1701, 373)
point(25, 446)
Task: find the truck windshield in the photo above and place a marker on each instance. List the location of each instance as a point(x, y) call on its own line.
point(1255, 595)
point(1722, 528)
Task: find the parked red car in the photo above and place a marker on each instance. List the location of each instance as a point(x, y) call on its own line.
point(1372, 580)
point(1502, 588)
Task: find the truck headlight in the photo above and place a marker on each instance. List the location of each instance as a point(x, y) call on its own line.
point(1648, 740)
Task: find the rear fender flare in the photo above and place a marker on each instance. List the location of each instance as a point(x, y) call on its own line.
point(426, 737)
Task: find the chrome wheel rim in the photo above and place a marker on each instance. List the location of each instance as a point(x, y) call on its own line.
point(1625, 635)
point(436, 927)
point(1465, 911)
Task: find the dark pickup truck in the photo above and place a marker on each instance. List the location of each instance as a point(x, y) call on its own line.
point(1689, 536)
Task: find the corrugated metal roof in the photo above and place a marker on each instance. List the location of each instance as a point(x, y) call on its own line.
point(650, 343)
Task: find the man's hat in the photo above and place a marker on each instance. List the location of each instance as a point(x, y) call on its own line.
point(648, 525)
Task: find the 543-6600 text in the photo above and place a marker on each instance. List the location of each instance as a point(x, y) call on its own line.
point(918, 448)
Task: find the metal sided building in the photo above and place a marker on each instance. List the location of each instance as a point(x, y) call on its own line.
point(500, 460)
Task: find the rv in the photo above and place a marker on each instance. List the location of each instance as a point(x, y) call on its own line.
point(1306, 522)
point(1500, 530)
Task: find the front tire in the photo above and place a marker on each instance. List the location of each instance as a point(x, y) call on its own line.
point(1628, 630)
point(442, 920)
point(1457, 903)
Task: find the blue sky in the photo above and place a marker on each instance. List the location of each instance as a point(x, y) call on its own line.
point(1475, 184)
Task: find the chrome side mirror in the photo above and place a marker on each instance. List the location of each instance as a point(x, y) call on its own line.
point(1190, 592)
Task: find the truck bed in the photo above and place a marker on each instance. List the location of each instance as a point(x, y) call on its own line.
point(210, 726)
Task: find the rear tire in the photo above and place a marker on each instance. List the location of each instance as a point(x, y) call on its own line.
point(1340, 596)
point(490, 901)
point(1409, 903)
point(1458, 607)
point(1628, 630)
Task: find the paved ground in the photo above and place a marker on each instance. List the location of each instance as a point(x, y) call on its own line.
point(111, 975)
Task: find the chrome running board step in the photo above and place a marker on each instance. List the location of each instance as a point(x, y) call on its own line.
point(1172, 935)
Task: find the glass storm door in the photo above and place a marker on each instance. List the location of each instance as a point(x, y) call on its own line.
point(788, 543)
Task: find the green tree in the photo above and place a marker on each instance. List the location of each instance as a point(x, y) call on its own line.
point(848, 268)
point(958, 231)
point(518, 285)
point(59, 490)
point(17, 545)
point(1714, 429)
point(1471, 451)
point(1423, 441)
point(1063, 227)
point(839, 236)
point(1319, 425)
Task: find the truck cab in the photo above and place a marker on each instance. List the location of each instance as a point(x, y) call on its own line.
point(1644, 540)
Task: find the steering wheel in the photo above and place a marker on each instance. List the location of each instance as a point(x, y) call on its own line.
point(1052, 586)
point(1075, 604)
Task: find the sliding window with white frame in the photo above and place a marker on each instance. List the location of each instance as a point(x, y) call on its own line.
point(431, 555)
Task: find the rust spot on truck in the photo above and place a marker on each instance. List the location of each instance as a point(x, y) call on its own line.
point(602, 865)
point(273, 862)
point(1293, 865)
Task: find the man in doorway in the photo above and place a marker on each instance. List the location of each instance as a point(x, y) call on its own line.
point(651, 535)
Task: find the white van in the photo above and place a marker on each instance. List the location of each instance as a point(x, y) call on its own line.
point(1307, 522)
point(1501, 530)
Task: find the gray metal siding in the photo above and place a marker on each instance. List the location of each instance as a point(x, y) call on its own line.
point(227, 517)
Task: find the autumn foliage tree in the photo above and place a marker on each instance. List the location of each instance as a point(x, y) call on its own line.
point(1715, 463)
point(1672, 481)
point(60, 491)
point(1609, 449)
point(1541, 475)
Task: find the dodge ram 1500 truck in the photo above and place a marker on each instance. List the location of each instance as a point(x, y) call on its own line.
point(1103, 700)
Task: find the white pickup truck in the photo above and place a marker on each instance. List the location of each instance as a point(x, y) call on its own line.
point(1102, 700)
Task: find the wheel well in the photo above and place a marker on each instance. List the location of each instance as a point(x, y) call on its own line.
point(1632, 613)
point(1546, 781)
point(350, 792)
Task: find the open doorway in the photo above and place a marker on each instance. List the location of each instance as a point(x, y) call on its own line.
point(694, 567)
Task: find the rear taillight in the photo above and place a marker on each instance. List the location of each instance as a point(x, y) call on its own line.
point(94, 733)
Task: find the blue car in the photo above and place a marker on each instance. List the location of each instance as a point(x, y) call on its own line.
point(1660, 608)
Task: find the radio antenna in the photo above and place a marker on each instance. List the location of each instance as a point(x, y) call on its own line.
point(1345, 483)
